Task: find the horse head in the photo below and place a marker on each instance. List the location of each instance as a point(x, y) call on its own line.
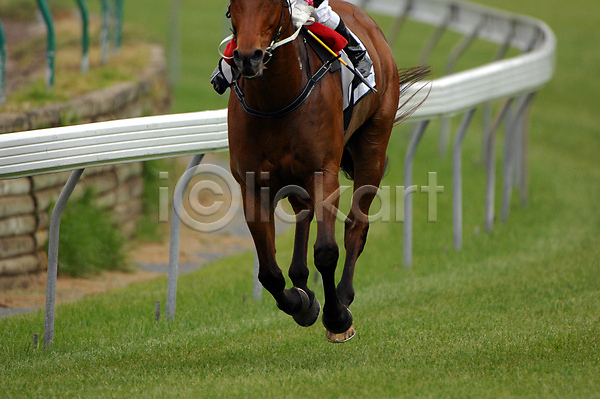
point(257, 26)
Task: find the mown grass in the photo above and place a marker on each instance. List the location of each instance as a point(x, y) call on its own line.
point(515, 313)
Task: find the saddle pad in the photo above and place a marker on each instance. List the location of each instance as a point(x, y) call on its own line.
point(353, 88)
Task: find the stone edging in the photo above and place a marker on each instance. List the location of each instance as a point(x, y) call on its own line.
point(24, 202)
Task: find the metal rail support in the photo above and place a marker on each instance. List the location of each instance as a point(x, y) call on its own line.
point(437, 34)
point(491, 165)
point(85, 36)
point(510, 155)
point(2, 66)
point(53, 242)
point(457, 178)
point(524, 164)
point(180, 188)
point(174, 42)
point(417, 135)
point(364, 3)
point(487, 108)
point(455, 54)
point(257, 286)
point(118, 34)
point(399, 22)
point(51, 43)
point(519, 132)
point(105, 32)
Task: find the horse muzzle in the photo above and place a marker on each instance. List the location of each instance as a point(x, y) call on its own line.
point(250, 65)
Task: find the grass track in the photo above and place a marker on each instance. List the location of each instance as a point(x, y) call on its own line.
point(515, 313)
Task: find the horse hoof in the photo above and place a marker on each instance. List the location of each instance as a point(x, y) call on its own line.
point(341, 324)
point(309, 313)
point(340, 337)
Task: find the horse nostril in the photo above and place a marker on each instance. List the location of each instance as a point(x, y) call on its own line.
point(257, 56)
point(250, 63)
point(236, 55)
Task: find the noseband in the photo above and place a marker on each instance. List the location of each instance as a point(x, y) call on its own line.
point(275, 42)
point(310, 85)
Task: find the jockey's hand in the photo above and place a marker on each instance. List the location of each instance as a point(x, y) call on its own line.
point(301, 12)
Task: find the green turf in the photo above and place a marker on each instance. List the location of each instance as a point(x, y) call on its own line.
point(515, 313)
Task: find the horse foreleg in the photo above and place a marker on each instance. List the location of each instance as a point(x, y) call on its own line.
point(299, 269)
point(260, 220)
point(336, 317)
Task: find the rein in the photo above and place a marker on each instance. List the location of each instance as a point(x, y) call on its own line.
point(291, 107)
point(308, 88)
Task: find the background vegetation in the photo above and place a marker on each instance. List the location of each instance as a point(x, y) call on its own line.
point(515, 313)
point(28, 55)
point(89, 242)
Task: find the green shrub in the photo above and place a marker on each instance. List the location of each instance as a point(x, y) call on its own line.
point(89, 242)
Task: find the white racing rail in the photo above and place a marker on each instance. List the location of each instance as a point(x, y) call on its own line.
point(514, 81)
point(107, 143)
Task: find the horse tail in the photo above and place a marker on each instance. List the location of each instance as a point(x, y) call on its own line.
point(347, 164)
point(408, 78)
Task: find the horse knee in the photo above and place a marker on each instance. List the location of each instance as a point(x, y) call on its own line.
point(326, 256)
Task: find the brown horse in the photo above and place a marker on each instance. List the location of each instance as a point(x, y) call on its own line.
point(298, 153)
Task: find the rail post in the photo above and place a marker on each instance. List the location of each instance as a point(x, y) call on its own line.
point(53, 241)
point(51, 43)
point(457, 179)
point(511, 155)
point(458, 50)
point(487, 109)
point(85, 36)
point(175, 234)
point(399, 22)
point(105, 31)
point(490, 166)
point(174, 41)
point(118, 25)
point(2, 66)
point(437, 34)
point(417, 135)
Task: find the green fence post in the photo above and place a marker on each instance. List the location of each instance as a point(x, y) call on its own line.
point(2, 66)
point(51, 46)
point(85, 36)
point(118, 25)
point(105, 33)
point(174, 42)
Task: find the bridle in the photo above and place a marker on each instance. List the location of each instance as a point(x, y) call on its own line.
point(275, 42)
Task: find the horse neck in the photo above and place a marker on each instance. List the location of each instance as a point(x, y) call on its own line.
point(283, 79)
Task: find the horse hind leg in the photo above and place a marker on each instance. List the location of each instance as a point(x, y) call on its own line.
point(370, 162)
point(311, 308)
